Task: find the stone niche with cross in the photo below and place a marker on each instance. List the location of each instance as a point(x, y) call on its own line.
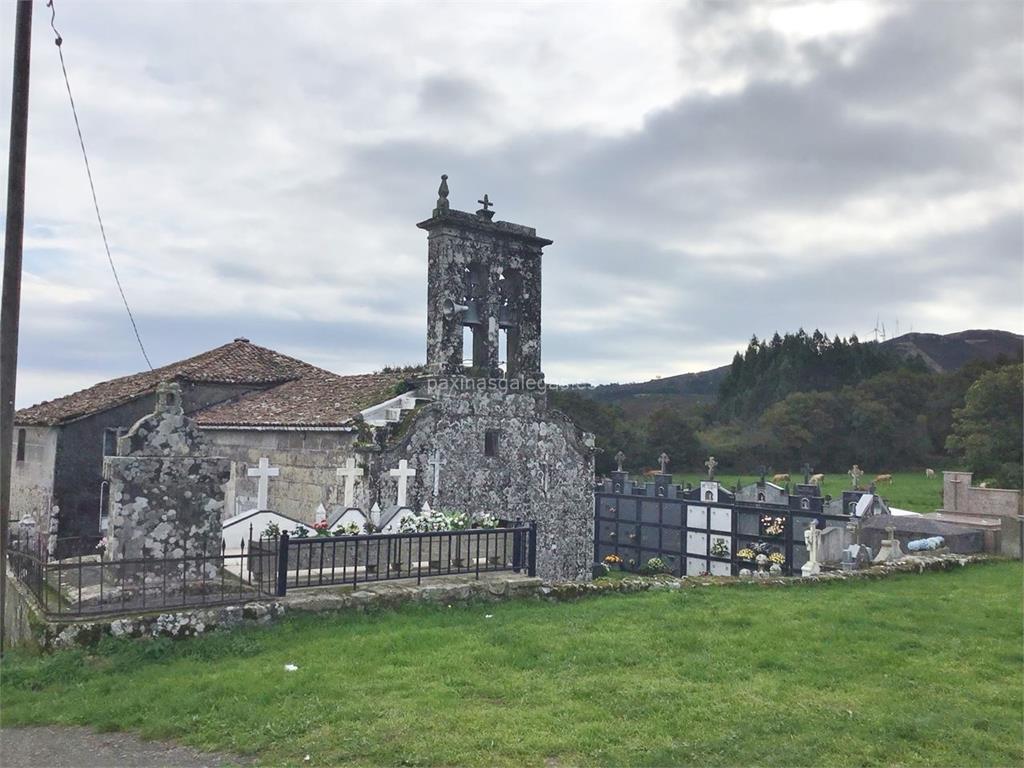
point(166, 491)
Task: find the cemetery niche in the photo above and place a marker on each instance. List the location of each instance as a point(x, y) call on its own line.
point(759, 530)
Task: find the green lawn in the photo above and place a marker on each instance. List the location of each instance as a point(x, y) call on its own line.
point(912, 670)
point(909, 490)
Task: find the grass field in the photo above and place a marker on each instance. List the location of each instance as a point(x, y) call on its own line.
point(909, 490)
point(912, 670)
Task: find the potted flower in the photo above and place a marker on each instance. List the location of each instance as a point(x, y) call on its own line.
point(321, 528)
point(613, 561)
point(720, 548)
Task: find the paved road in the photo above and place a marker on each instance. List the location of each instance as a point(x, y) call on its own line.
point(72, 747)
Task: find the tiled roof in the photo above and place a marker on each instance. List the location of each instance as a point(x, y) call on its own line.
point(317, 399)
point(239, 362)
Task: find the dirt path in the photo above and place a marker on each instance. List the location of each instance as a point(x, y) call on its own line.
point(73, 747)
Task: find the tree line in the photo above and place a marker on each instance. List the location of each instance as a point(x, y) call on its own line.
point(830, 402)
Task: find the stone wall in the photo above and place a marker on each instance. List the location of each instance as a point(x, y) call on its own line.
point(166, 495)
point(32, 478)
point(308, 462)
point(962, 501)
point(542, 469)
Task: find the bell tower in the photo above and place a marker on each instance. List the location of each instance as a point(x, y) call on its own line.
point(483, 293)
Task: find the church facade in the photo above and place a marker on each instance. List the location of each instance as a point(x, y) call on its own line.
point(470, 432)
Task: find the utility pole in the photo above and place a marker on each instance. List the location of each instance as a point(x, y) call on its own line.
point(10, 302)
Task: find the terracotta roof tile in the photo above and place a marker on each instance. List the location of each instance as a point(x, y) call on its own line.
point(239, 362)
point(317, 399)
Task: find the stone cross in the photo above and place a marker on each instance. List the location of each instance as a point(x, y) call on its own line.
point(663, 461)
point(856, 473)
point(619, 458)
point(435, 462)
point(711, 464)
point(812, 538)
point(762, 470)
point(350, 472)
point(264, 472)
point(403, 473)
point(486, 202)
point(807, 469)
point(891, 530)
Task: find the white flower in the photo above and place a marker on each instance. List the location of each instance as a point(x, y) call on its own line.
point(488, 615)
point(290, 668)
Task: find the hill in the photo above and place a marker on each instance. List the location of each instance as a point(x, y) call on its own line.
point(952, 351)
point(941, 353)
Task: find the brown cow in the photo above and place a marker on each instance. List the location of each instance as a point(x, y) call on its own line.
point(883, 479)
point(780, 478)
point(817, 480)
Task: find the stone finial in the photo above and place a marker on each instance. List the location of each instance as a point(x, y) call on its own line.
point(168, 398)
point(442, 196)
point(485, 212)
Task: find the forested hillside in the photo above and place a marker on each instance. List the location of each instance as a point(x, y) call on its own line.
point(830, 402)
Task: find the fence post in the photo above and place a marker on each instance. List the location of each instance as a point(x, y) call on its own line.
point(532, 555)
point(282, 565)
point(517, 549)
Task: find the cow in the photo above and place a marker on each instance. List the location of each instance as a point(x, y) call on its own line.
point(780, 478)
point(817, 480)
point(929, 473)
point(651, 472)
point(883, 479)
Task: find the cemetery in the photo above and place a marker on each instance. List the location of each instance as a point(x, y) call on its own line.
point(424, 475)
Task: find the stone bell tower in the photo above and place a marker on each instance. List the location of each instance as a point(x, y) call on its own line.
point(484, 276)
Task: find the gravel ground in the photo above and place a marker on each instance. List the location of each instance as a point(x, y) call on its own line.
point(72, 747)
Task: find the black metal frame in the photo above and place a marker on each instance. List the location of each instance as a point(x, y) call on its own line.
point(316, 560)
point(95, 585)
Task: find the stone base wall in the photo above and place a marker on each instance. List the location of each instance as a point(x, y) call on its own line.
point(540, 470)
point(440, 591)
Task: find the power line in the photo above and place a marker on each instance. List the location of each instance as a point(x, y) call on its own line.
point(88, 172)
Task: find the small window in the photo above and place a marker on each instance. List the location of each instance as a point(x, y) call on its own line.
point(805, 503)
point(21, 445)
point(760, 497)
point(491, 442)
point(709, 496)
point(110, 436)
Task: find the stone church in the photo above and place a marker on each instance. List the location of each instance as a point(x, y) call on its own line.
point(470, 432)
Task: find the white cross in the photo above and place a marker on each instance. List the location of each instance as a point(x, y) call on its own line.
point(435, 462)
point(264, 472)
point(403, 473)
point(350, 472)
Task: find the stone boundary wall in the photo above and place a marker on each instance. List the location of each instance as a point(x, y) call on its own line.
point(443, 591)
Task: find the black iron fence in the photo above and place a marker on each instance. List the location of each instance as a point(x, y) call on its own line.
point(105, 583)
point(109, 583)
point(327, 560)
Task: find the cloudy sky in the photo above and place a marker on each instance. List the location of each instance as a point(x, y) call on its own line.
point(707, 171)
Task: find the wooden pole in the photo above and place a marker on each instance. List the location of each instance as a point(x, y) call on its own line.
point(10, 301)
